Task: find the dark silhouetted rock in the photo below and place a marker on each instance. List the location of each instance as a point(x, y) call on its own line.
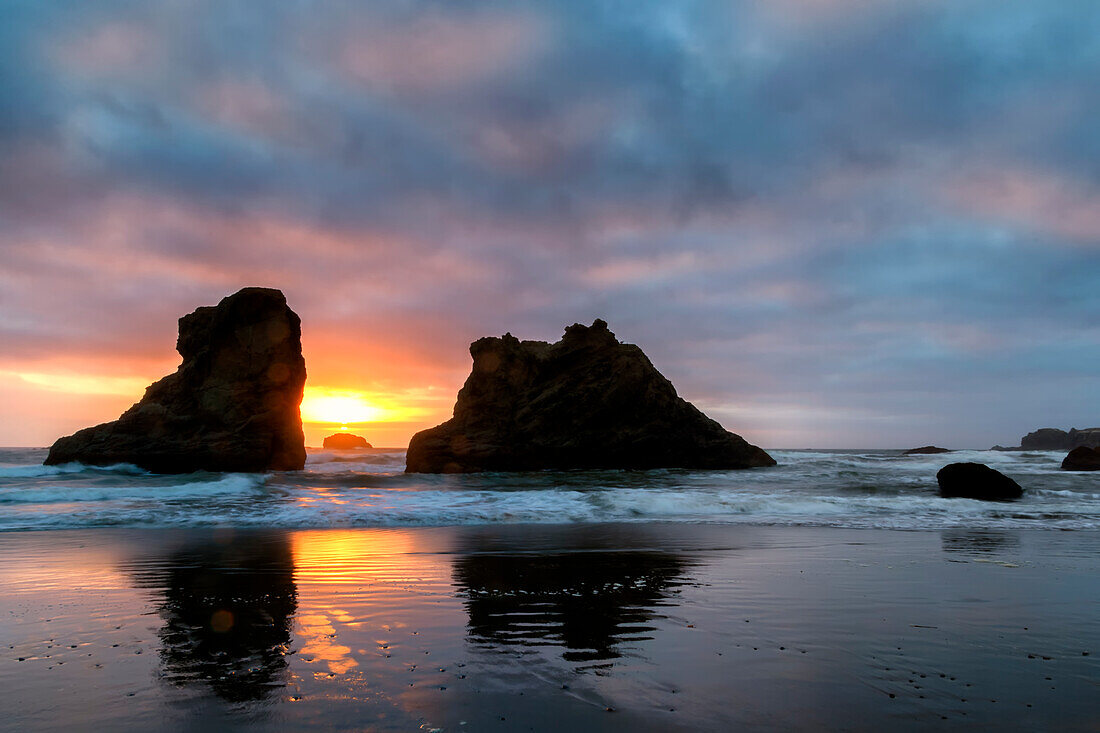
point(345, 441)
point(925, 451)
point(586, 401)
point(976, 481)
point(233, 404)
point(1055, 439)
point(1082, 458)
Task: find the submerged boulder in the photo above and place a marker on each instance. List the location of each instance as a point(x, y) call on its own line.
point(345, 441)
point(1082, 459)
point(976, 481)
point(233, 404)
point(927, 450)
point(586, 401)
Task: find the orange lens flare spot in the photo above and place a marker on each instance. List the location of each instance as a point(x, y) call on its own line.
point(221, 621)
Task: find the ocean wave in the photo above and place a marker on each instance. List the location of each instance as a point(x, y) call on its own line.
point(199, 489)
point(857, 489)
point(42, 471)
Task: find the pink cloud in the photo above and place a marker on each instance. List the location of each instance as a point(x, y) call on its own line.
point(245, 104)
point(1036, 199)
point(112, 47)
point(440, 50)
point(637, 270)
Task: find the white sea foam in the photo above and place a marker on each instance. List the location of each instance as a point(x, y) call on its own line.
point(231, 485)
point(39, 470)
point(821, 488)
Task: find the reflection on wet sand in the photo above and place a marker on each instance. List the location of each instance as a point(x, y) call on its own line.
point(589, 602)
point(227, 609)
point(971, 541)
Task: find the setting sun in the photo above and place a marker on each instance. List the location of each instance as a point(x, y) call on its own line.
point(340, 407)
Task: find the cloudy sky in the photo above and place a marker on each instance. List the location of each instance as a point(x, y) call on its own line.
point(830, 223)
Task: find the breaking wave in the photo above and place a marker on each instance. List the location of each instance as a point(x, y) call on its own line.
point(856, 489)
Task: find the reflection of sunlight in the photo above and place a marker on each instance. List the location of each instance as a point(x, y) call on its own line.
point(351, 556)
point(343, 577)
point(319, 645)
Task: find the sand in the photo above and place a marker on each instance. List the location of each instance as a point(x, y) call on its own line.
point(546, 628)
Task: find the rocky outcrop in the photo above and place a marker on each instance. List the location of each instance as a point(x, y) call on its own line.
point(976, 481)
point(233, 404)
point(1055, 439)
point(1082, 458)
point(927, 450)
point(586, 401)
point(345, 441)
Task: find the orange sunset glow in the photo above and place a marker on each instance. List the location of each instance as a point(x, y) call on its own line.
point(60, 399)
point(386, 420)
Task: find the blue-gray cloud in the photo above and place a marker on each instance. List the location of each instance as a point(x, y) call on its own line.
point(885, 213)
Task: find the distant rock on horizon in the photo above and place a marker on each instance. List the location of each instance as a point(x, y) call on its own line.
point(587, 401)
point(926, 451)
point(345, 441)
point(232, 405)
point(1055, 439)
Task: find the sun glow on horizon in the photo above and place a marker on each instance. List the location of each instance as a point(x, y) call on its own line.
point(342, 407)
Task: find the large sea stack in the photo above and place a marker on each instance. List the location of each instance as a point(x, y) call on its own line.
point(233, 404)
point(586, 401)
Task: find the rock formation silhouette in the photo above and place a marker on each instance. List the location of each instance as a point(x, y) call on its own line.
point(233, 404)
point(976, 481)
point(587, 401)
point(345, 441)
point(1082, 458)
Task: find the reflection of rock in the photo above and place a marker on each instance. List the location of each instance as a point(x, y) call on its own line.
point(971, 541)
point(927, 450)
point(586, 401)
point(1082, 459)
point(976, 481)
point(227, 612)
point(233, 404)
point(345, 441)
point(587, 602)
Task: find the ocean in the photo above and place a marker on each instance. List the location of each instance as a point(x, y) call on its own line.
point(855, 489)
point(835, 591)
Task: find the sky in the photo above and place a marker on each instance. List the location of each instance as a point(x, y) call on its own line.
point(830, 223)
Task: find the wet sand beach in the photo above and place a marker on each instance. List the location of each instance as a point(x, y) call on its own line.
point(588, 627)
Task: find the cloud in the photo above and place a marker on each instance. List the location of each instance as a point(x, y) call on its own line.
point(1045, 203)
point(881, 211)
point(437, 51)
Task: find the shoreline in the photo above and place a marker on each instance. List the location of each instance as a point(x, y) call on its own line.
point(672, 626)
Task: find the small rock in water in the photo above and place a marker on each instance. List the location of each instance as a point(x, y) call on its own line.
point(1082, 458)
point(976, 481)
